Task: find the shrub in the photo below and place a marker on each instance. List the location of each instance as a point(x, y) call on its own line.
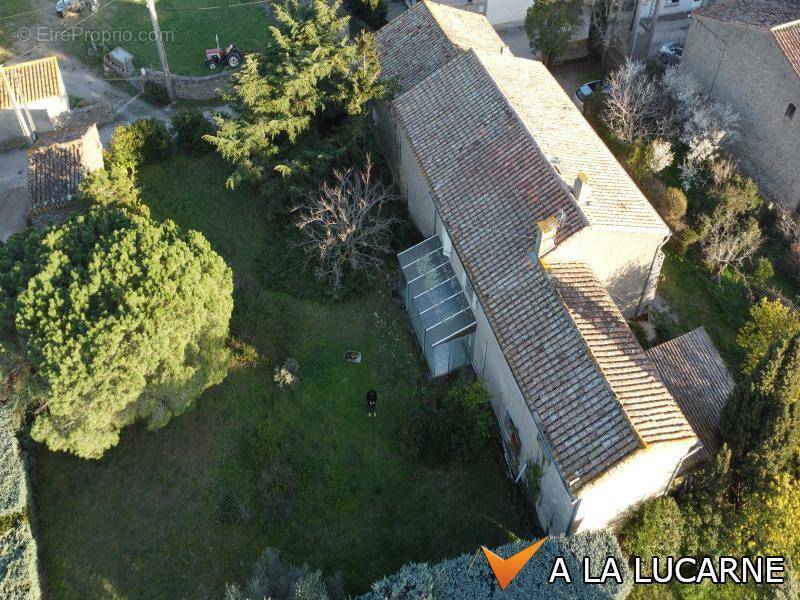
point(640, 333)
point(683, 239)
point(465, 577)
point(455, 428)
point(654, 529)
point(189, 127)
point(790, 261)
point(672, 207)
point(654, 189)
point(661, 155)
point(271, 577)
point(277, 485)
point(114, 187)
point(288, 375)
point(142, 142)
point(763, 274)
point(122, 319)
point(156, 93)
point(770, 323)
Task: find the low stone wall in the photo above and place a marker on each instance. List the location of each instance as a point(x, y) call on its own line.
point(207, 87)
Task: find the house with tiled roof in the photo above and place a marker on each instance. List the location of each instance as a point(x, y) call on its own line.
point(37, 89)
point(747, 53)
point(537, 248)
point(57, 164)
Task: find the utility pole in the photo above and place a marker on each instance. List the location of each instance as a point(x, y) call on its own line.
point(17, 110)
point(151, 5)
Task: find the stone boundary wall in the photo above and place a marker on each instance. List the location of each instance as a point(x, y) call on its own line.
point(205, 87)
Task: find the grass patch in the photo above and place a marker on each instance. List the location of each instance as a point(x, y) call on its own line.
point(10, 21)
point(187, 32)
point(692, 292)
point(178, 512)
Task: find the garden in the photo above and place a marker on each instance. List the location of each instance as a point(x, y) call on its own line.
point(181, 511)
point(730, 249)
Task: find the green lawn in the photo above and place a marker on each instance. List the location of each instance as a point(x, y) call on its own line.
point(697, 298)
point(187, 31)
point(13, 14)
point(158, 518)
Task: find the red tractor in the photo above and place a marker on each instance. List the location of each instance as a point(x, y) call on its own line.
point(226, 57)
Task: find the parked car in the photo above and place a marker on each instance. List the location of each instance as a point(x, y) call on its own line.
point(671, 53)
point(67, 7)
point(587, 89)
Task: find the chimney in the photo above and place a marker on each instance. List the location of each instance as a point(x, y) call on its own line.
point(505, 50)
point(581, 189)
point(545, 236)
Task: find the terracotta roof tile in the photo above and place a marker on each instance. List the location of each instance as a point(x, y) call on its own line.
point(31, 81)
point(697, 376)
point(56, 167)
point(788, 38)
point(427, 37)
point(566, 138)
point(633, 377)
point(757, 13)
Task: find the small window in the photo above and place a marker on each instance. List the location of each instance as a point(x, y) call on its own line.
point(790, 110)
point(511, 438)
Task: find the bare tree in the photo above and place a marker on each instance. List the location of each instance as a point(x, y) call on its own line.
point(608, 25)
point(343, 227)
point(730, 239)
point(633, 103)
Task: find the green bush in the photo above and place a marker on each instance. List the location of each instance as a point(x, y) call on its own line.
point(189, 127)
point(272, 577)
point(453, 429)
point(467, 577)
point(114, 187)
point(156, 93)
point(655, 529)
point(122, 319)
point(763, 274)
point(683, 239)
point(143, 142)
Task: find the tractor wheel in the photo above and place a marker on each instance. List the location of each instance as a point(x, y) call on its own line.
point(212, 65)
point(234, 60)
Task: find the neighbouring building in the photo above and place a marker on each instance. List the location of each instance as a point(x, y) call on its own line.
point(36, 87)
point(747, 53)
point(57, 164)
point(538, 246)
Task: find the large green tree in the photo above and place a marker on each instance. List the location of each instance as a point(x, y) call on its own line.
point(301, 103)
point(550, 24)
point(761, 422)
point(121, 319)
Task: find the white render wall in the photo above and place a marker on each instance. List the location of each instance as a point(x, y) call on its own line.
point(45, 113)
point(622, 261)
point(642, 475)
point(507, 12)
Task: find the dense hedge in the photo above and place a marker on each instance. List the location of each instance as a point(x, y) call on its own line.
point(463, 577)
point(19, 573)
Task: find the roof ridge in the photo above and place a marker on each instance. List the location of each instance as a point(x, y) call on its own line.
point(556, 175)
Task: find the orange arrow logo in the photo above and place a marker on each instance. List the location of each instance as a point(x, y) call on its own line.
point(505, 569)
